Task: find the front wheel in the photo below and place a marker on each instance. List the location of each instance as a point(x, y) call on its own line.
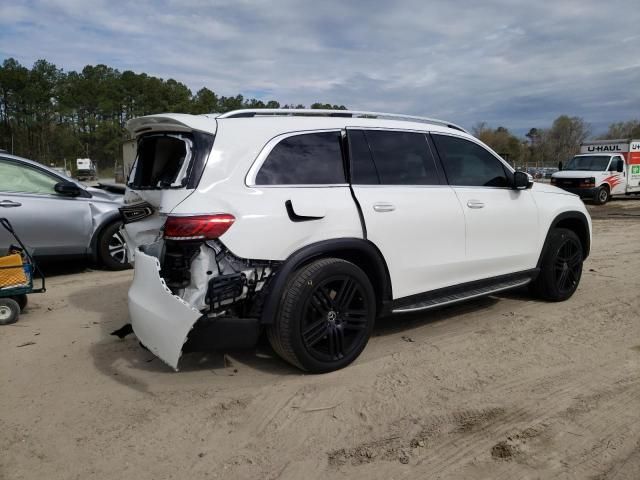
point(326, 316)
point(561, 267)
point(112, 248)
point(602, 195)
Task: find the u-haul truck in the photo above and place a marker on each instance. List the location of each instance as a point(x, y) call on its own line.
point(603, 168)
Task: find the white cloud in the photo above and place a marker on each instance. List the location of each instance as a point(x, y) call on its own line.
point(516, 65)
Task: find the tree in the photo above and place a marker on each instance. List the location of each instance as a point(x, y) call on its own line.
point(502, 141)
point(628, 129)
point(563, 139)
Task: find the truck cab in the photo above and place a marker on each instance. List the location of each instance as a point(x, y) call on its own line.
point(603, 169)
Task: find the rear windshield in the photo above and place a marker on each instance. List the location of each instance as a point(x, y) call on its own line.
point(170, 160)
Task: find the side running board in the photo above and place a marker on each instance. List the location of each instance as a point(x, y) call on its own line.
point(463, 292)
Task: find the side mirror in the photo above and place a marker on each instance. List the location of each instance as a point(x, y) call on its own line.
point(521, 181)
point(619, 166)
point(68, 189)
point(560, 165)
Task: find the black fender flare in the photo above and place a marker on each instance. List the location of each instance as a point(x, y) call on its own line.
point(108, 219)
point(362, 251)
point(566, 217)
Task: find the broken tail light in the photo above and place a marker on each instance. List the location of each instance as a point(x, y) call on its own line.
point(197, 227)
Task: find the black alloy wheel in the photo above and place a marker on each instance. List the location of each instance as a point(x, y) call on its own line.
point(326, 316)
point(568, 265)
point(560, 266)
point(335, 318)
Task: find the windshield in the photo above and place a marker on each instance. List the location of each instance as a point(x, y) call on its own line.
point(593, 163)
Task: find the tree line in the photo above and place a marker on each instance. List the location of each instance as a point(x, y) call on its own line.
point(49, 115)
point(545, 147)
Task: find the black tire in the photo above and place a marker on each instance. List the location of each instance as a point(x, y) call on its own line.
point(9, 311)
point(602, 195)
point(325, 317)
point(561, 267)
point(22, 301)
point(112, 249)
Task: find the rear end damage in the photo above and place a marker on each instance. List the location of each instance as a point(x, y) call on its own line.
point(196, 295)
point(189, 291)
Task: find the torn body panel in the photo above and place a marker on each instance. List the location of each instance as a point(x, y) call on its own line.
point(180, 284)
point(160, 319)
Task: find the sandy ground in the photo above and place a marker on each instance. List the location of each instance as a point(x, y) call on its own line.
point(500, 388)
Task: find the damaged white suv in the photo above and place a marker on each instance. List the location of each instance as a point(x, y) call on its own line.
point(312, 223)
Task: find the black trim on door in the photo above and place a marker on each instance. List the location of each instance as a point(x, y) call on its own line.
point(294, 217)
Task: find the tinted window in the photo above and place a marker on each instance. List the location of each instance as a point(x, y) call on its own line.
point(402, 158)
point(15, 177)
point(363, 171)
point(467, 163)
point(311, 158)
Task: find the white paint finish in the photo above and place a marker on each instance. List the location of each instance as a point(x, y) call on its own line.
point(263, 230)
point(160, 320)
point(551, 202)
point(501, 235)
point(422, 239)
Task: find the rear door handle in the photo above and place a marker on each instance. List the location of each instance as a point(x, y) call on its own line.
point(9, 203)
point(384, 207)
point(475, 204)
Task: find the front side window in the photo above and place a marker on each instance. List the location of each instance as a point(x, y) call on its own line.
point(466, 163)
point(18, 178)
point(306, 159)
point(401, 158)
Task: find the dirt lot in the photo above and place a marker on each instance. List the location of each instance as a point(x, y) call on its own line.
point(501, 388)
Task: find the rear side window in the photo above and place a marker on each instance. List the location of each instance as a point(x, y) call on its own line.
point(468, 164)
point(402, 158)
point(306, 159)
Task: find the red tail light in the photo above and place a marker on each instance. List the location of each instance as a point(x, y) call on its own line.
point(197, 227)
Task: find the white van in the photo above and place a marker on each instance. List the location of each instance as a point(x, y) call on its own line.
point(603, 168)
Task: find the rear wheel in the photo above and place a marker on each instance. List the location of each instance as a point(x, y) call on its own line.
point(561, 267)
point(112, 248)
point(602, 195)
point(9, 311)
point(326, 316)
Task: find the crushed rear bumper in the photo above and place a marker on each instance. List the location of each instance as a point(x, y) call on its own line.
point(161, 320)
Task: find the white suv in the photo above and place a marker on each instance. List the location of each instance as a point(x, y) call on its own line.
point(312, 223)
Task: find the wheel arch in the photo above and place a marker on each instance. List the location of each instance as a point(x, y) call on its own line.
point(576, 222)
point(360, 252)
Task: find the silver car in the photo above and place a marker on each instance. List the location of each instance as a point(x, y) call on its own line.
point(57, 216)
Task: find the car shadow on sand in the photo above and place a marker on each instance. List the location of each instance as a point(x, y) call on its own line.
point(115, 357)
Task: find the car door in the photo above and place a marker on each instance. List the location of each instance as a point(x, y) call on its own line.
point(410, 213)
point(48, 223)
point(501, 223)
point(617, 175)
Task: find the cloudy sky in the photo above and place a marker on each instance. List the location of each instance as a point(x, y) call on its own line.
point(518, 64)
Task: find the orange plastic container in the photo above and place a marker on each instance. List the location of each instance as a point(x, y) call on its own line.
point(12, 271)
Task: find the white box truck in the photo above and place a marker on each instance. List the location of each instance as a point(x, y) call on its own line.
point(602, 169)
point(85, 169)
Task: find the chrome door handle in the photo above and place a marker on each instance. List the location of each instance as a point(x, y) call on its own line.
point(475, 204)
point(384, 207)
point(9, 203)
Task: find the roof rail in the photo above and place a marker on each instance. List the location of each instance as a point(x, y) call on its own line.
point(313, 112)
